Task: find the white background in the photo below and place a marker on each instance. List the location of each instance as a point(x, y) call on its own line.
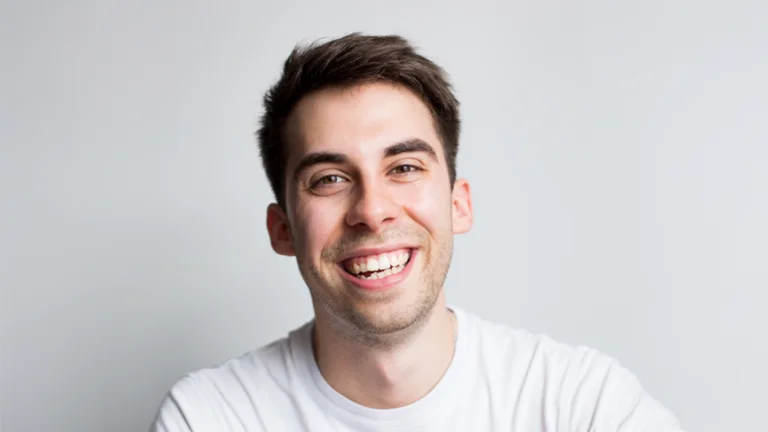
point(617, 153)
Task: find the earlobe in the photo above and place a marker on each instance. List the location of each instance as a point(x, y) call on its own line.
point(462, 207)
point(279, 231)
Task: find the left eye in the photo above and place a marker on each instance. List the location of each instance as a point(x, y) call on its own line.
point(404, 169)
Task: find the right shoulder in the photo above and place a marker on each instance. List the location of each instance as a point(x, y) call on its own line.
point(229, 396)
point(172, 414)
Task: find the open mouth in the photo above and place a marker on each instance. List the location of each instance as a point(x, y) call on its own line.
point(378, 266)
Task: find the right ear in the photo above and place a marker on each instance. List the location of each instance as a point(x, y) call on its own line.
point(279, 230)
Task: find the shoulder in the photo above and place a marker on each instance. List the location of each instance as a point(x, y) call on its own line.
point(507, 345)
point(263, 366)
point(233, 391)
point(581, 386)
point(539, 352)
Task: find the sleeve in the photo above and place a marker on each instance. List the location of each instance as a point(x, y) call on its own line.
point(170, 417)
point(606, 397)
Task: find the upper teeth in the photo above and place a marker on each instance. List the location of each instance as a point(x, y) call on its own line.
point(379, 263)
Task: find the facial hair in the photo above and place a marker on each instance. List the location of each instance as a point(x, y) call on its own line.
point(332, 293)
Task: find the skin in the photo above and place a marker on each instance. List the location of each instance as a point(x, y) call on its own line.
point(366, 169)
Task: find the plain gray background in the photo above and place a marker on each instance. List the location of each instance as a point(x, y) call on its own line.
point(617, 153)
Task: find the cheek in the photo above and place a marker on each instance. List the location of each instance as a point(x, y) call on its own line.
point(315, 226)
point(430, 206)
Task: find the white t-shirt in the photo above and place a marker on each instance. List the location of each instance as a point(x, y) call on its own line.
point(500, 379)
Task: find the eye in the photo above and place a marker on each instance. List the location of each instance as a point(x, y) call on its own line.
point(405, 169)
point(328, 180)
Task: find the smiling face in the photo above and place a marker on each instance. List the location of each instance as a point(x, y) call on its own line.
point(370, 211)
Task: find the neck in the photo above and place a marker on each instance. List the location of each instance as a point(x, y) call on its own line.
point(387, 375)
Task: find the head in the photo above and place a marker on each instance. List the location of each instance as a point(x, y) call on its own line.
point(359, 141)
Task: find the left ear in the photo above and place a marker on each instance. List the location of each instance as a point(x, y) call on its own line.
point(462, 206)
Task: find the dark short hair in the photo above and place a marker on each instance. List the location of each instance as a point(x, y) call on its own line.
point(348, 61)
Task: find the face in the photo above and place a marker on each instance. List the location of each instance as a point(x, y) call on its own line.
point(370, 212)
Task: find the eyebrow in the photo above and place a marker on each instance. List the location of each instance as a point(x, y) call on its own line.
point(412, 145)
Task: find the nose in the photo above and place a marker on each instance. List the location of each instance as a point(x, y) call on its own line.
point(373, 207)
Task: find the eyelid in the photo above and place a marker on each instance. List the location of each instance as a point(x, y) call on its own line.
point(315, 180)
point(416, 165)
point(314, 175)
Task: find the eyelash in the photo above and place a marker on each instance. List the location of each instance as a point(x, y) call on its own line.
point(321, 179)
point(411, 169)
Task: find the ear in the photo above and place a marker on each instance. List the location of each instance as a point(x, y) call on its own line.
point(462, 207)
point(279, 230)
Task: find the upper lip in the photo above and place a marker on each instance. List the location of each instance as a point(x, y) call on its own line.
point(374, 251)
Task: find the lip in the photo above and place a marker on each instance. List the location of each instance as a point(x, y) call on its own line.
point(381, 284)
point(375, 251)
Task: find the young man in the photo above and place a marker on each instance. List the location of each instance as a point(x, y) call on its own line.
point(359, 142)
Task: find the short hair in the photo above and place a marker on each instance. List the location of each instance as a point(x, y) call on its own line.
point(348, 61)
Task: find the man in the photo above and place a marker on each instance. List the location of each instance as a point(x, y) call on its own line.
point(359, 142)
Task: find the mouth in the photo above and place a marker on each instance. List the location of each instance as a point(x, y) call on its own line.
point(378, 271)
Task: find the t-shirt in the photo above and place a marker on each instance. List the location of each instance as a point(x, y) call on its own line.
point(500, 379)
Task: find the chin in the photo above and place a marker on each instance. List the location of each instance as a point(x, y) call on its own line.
point(395, 313)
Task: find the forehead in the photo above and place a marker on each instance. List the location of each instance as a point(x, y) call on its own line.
point(358, 121)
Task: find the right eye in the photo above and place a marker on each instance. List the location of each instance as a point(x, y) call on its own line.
point(328, 180)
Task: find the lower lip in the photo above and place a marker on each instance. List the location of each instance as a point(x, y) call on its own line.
point(381, 284)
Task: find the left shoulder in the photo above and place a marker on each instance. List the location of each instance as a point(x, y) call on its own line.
point(589, 389)
point(600, 393)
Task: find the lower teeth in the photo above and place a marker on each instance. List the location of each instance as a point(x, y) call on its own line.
point(381, 274)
